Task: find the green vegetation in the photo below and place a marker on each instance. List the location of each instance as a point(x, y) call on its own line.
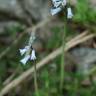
point(49, 75)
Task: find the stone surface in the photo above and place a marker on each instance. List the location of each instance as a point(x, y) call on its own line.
point(12, 7)
point(85, 58)
point(38, 9)
point(24, 11)
point(93, 3)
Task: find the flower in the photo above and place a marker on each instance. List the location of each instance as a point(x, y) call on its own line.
point(33, 56)
point(28, 51)
point(56, 3)
point(22, 51)
point(25, 59)
point(69, 13)
point(28, 56)
point(57, 6)
point(55, 10)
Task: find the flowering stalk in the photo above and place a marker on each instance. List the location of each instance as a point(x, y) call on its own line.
point(33, 58)
point(29, 53)
point(59, 5)
point(63, 56)
point(35, 81)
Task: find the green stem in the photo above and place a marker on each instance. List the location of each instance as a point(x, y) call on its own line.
point(62, 58)
point(35, 81)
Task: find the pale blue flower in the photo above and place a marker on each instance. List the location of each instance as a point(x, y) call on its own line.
point(55, 10)
point(33, 56)
point(69, 13)
point(56, 3)
point(24, 50)
point(25, 59)
point(57, 6)
point(29, 54)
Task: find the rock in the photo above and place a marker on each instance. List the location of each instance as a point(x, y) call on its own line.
point(24, 10)
point(93, 3)
point(12, 9)
point(11, 6)
point(85, 58)
point(38, 9)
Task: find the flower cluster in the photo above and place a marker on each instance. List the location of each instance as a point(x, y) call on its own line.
point(28, 51)
point(58, 5)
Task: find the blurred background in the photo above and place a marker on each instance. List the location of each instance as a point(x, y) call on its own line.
point(17, 20)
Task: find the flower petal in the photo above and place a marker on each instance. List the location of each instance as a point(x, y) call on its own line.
point(55, 10)
point(22, 51)
point(25, 59)
point(56, 3)
point(33, 56)
point(69, 13)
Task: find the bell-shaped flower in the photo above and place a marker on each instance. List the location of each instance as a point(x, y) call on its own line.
point(58, 5)
point(33, 55)
point(22, 51)
point(25, 59)
point(69, 13)
point(55, 10)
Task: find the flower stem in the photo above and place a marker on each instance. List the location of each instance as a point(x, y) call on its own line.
point(35, 81)
point(63, 58)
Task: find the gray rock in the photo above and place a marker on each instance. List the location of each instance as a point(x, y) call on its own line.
point(11, 6)
point(85, 58)
point(24, 10)
point(12, 9)
point(38, 9)
point(93, 3)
